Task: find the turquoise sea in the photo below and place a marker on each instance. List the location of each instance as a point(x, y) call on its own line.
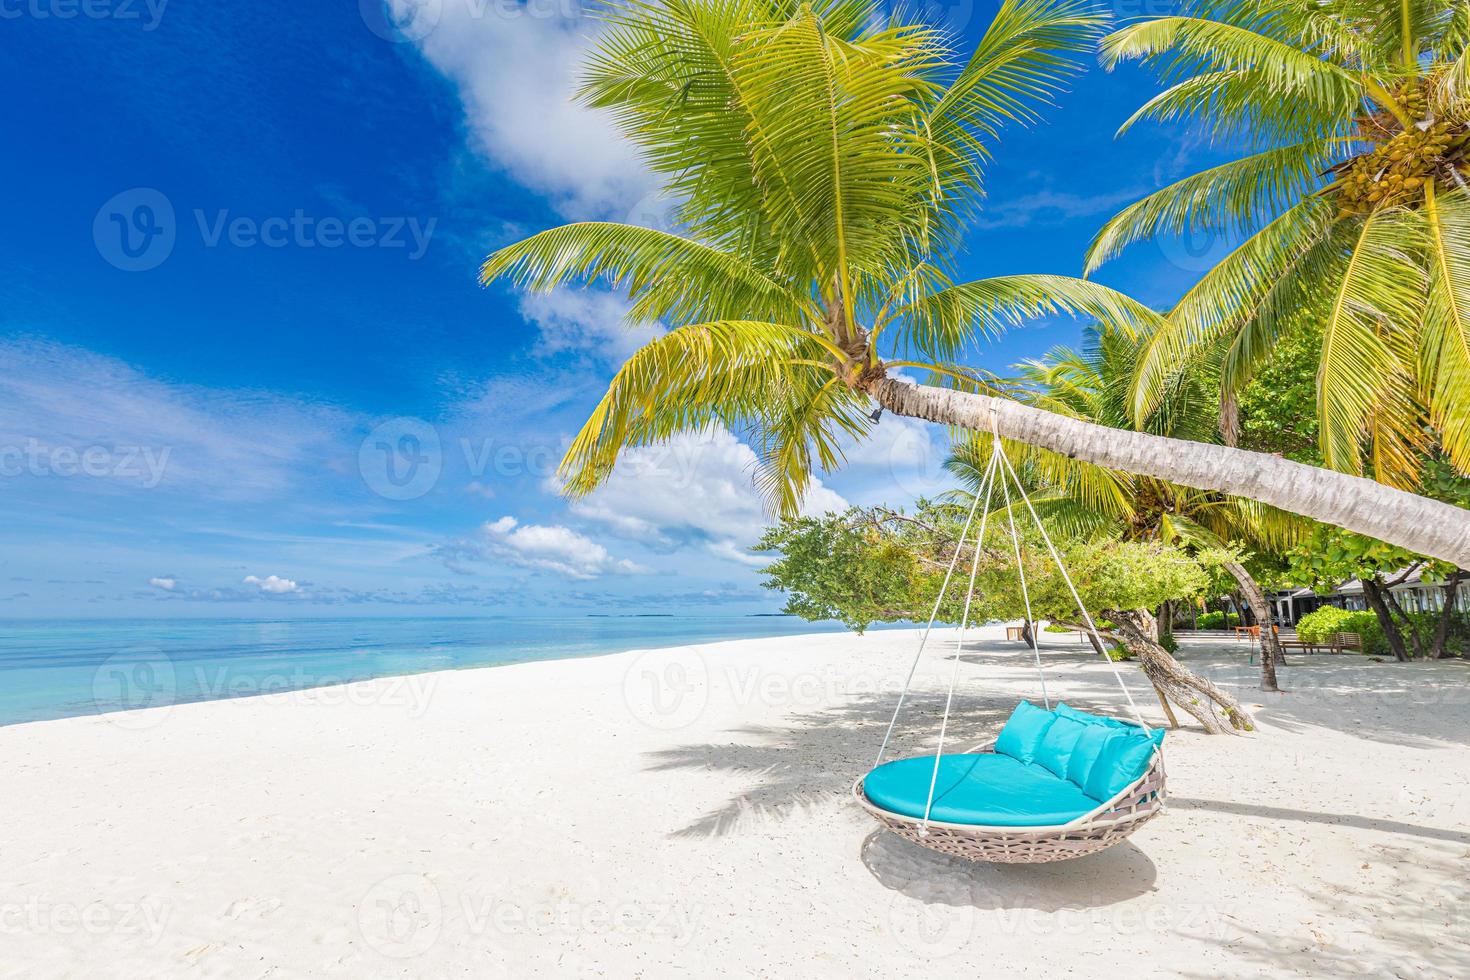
point(57, 669)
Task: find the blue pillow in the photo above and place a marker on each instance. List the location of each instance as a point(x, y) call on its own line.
point(1124, 758)
point(1065, 710)
point(1084, 754)
point(1057, 744)
point(1023, 733)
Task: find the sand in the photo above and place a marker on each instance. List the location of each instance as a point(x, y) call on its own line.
point(684, 812)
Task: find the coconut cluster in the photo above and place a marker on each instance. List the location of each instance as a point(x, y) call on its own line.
point(1395, 171)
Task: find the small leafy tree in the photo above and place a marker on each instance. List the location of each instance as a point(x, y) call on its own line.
point(880, 565)
point(1332, 556)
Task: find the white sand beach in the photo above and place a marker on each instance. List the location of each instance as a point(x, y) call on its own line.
point(685, 812)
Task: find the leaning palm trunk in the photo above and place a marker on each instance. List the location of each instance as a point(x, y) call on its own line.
point(1271, 653)
point(1216, 710)
point(1417, 523)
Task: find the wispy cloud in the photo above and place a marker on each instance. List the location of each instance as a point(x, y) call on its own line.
point(584, 321)
point(548, 548)
point(273, 584)
point(516, 68)
point(96, 422)
point(696, 489)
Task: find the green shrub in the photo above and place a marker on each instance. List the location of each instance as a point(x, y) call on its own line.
point(1217, 620)
point(1365, 624)
point(1319, 624)
point(1102, 624)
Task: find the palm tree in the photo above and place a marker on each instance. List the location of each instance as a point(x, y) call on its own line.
point(1351, 202)
point(1083, 498)
point(823, 161)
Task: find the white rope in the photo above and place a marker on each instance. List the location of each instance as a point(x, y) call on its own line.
point(954, 675)
point(985, 483)
point(1086, 617)
point(1025, 592)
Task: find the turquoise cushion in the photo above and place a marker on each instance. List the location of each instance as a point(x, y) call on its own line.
point(983, 788)
point(1084, 754)
point(1065, 710)
point(1124, 758)
point(1057, 744)
point(1021, 736)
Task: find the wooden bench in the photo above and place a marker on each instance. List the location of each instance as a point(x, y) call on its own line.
point(1015, 633)
point(1334, 643)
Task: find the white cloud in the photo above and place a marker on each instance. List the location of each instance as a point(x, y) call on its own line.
point(698, 487)
point(273, 584)
point(585, 320)
point(550, 548)
point(98, 422)
point(164, 583)
point(900, 457)
point(516, 68)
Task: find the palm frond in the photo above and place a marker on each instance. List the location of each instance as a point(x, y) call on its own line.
point(727, 372)
point(1228, 296)
point(1380, 294)
point(666, 275)
point(1027, 53)
point(1445, 338)
point(1189, 46)
point(947, 322)
point(1234, 196)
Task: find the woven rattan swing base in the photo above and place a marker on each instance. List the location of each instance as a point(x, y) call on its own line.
point(1130, 810)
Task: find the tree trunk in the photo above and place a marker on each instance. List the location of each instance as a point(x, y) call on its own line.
point(1217, 711)
point(1419, 524)
point(1234, 608)
point(1271, 653)
point(1446, 614)
point(1242, 612)
point(1166, 623)
point(1409, 627)
point(1373, 592)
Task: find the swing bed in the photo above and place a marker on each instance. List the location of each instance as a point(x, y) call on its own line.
point(1056, 783)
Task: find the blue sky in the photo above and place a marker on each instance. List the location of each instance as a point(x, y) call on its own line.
point(247, 369)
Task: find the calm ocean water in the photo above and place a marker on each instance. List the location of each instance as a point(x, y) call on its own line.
point(57, 669)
